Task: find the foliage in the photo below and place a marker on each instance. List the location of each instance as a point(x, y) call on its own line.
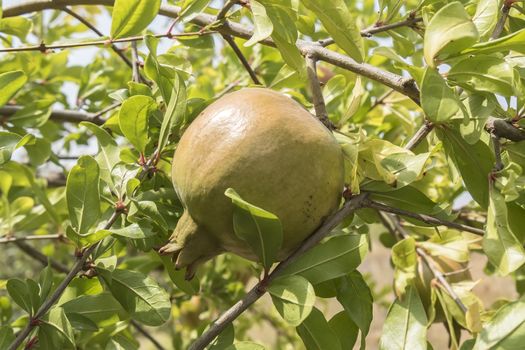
point(412, 87)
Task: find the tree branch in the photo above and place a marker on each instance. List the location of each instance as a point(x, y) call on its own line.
point(79, 264)
point(504, 129)
point(146, 334)
point(393, 225)
point(505, 9)
point(260, 288)
point(43, 259)
point(224, 11)
point(45, 48)
point(58, 115)
point(423, 131)
point(401, 84)
point(367, 203)
point(13, 239)
point(376, 29)
point(317, 93)
point(241, 57)
point(99, 33)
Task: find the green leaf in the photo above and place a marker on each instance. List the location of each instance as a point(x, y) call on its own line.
point(34, 114)
point(438, 100)
point(285, 33)
point(485, 74)
point(263, 26)
point(82, 323)
point(133, 231)
point(191, 9)
point(333, 258)
point(245, 345)
point(133, 120)
point(82, 194)
point(224, 339)
point(345, 329)
point(6, 336)
point(108, 151)
point(8, 144)
point(506, 328)
point(405, 326)
point(449, 31)
point(355, 297)
point(513, 41)
point(502, 247)
point(19, 292)
point(340, 24)
point(130, 17)
point(317, 334)
point(261, 229)
point(18, 26)
point(174, 115)
point(56, 330)
point(486, 17)
point(178, 277)
point(161, 74)
point(139, 295)
point(10, 83)
point(100, 308)
point(474, 162)
point(38, 151)
point(293, 297)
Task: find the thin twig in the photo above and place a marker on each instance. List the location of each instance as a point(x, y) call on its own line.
point(379, 101)
point(99, 33)
point(34, 321)
point(367, 203)
point(260, 288)
point(497, 152)
point(96, 116)
point(224, 11)
point(505, 9)
point(406, 86)
point(423, 131)
point(64, 115)
point(12, 239)
point(146, 334)
point(79, 264)
point(43, 259)
point(135, 64)
point(393, 225)
point(45, 48)
point(241, 57)
point(317, 93)
point(375, 29)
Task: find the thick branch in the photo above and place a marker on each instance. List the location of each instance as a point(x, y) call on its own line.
point(504, 129)
point(317, 93)
point(401, 84)
point(58, 115)
point(260, 288)
point(241, 57)
point(421, 217)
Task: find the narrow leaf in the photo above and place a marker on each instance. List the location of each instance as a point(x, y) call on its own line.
point(331, 259)
point(317, 334)
point(10, 83)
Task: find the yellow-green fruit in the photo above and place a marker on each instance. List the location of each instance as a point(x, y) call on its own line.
point(273, 152)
